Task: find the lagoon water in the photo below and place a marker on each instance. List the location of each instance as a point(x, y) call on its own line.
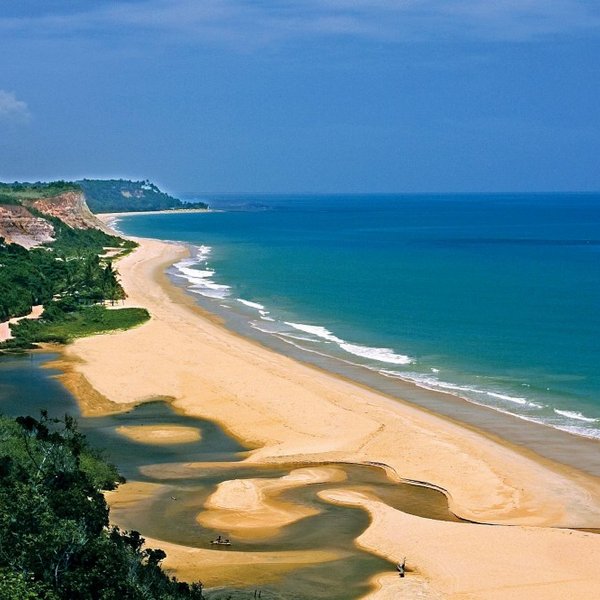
point(190, 472)
point(493, 298)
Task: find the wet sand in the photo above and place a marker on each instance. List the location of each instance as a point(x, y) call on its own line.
point(293, 413)
point(556, 564)
point(245, 506)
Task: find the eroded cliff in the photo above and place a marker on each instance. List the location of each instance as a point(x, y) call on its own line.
point(19, 226)
point(23, 222)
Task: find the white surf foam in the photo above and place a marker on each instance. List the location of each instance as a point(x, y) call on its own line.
point(515, 399)
point(316, 330)
point(200, 280)
point(476, 395)
point(255, 326)
point(292, 336)
point(385, 355)
point(255, 305)
point(571, 414)
point(583, 431)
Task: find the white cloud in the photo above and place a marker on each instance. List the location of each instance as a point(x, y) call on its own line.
point(13, 109)
point(255, 23)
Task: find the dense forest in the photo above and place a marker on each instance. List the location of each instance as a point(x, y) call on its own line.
point(121, 195)
point(69, 266)
point(70, 277)
point(72, 282)
point(55, 538)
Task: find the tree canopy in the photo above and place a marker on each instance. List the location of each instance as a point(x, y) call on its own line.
point(55, 538)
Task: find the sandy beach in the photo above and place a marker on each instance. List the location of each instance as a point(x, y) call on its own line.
point(109, 218)
point(293, 413)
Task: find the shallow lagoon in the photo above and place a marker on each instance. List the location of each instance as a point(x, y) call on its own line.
point(26, 387)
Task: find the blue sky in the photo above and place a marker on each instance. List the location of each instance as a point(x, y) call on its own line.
point(305, 96)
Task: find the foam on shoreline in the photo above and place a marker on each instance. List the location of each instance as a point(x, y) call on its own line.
point(291, 412)
point(202, 279)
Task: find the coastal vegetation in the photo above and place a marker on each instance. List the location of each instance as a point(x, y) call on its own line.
point(14, 193)
point(55, 538)
point(122, 195)
point(62, 323)
point(72, 277)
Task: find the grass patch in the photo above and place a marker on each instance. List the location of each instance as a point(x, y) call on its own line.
point(91, 320)
point(13, 193)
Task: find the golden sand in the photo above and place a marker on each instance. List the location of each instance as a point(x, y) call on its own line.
point(160, 434)
point(250, 508)
point(295, 413)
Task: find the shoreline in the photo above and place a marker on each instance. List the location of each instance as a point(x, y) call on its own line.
point(543, 442)
point(106, 218)
point(191, 360)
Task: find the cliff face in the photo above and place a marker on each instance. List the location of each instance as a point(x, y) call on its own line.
point(69, 207)
point(19, 226)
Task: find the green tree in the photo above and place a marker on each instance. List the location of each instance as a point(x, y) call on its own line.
point(55, 539)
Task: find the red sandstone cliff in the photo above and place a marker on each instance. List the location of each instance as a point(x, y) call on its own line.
point(19, 226)
point(69, 207)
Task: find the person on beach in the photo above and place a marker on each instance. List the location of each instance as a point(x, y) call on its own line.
point(401, 568)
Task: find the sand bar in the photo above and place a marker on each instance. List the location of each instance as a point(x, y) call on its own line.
point(247, 507)
point(160, 434)
point(295, 413)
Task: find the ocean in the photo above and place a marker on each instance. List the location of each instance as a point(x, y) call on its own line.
point(491, 298)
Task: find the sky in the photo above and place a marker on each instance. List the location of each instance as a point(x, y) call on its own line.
point(332, 96)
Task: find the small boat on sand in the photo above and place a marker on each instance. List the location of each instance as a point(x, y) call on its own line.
point(220, 541)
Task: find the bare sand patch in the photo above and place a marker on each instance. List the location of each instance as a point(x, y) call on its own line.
point(160, 434)
point(5, 332)
point(469, 560)
point(250, 508)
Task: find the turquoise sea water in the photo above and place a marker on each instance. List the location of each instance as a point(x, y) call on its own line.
point(493, 298)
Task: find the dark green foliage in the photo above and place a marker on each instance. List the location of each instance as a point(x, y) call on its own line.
point(26, 278)
point(68, 267)
point(8, 198)
point(55, 540)
point(19, 586)
point(13, 193)
point(64, 321)
point(121, 195)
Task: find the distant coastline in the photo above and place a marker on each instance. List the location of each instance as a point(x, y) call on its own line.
point(169, 211)
point(110, 219)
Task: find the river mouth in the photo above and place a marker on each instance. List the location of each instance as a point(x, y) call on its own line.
point(279, 521)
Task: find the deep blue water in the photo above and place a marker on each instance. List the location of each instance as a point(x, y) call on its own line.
point(495, 298)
